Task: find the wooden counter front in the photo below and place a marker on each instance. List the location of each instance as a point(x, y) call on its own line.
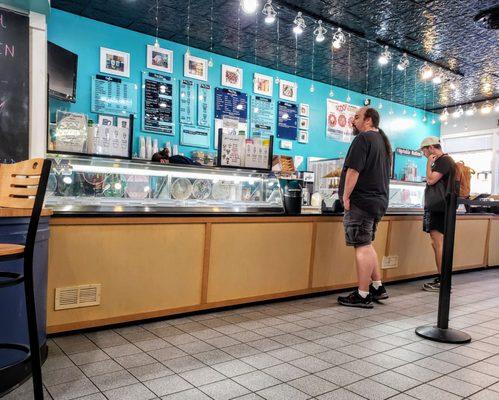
point(156, 266)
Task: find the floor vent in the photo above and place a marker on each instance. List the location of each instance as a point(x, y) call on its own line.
point(77, 296)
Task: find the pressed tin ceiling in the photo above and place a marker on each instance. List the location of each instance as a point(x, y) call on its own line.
point(440, 31)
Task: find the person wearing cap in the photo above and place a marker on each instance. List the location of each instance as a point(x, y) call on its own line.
point(439, 168)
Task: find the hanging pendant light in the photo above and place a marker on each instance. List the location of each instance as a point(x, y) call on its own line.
point(299, 24)
point(331, 93)
point(496, 105)
point(385, 56)
point(320, 32)
point(424, 119)
point(486, 108)
point(312, 88)
point(269, 12)
point(249, 6)
point(458, 112)
point(403, 62)
point(339, 39)
point(445, 115)
point(426, 71)
point(438, 78)
point(471, 110)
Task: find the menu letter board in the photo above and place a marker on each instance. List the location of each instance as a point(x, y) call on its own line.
point(187, 102)
point(204, 105)
point(14, 86)
point(263, 116)
point(157, 105)
point(288, 121)
point(113, 96)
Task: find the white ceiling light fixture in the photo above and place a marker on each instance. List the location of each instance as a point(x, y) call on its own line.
point(438, 78)
point(496, 105)
point(486, 108)
point(299, 24)
point(269, 12)
point(320, 32)
point(403, 63)
point(249, 6)
point(458, 112)
point(471, 110)
point(426, 71)
point(385, 56)
point(339, 39)
point(445, 115)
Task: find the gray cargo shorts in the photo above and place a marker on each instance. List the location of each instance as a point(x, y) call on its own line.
point(360, 227)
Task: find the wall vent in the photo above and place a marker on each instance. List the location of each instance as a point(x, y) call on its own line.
point(77, 296)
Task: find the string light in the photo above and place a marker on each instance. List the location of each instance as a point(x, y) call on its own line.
point(338, 39)
point(299, 24)
point(156, 42)
point(269, 12)
point(403, 63)
point(210, 62)
point(331, 92)
point(312, 87)
point(320, 32)
point(278, 49)
point(188, 27)
point(385, 56)
point(249, 6)
point(349, 67)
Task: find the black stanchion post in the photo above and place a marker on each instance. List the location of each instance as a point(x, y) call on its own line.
point(442, 332)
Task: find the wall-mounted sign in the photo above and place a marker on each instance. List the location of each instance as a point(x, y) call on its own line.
point(262, 116)
point(195, 136)
point(187, 102)
point(231, 112)
point(204, 105)
point(339, 119)
point(113, 96)
point(287, 127)
point(157, 103)
point(14, 86)
point(408, 152)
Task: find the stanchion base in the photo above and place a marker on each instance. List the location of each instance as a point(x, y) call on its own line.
point(443, 335)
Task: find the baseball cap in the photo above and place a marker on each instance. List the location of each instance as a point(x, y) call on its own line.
point(429, 141)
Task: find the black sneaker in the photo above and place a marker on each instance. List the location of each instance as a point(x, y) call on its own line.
point(379, 293)
point(354, 299)
point(432, 286)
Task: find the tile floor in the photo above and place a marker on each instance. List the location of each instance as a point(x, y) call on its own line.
point(299, 349)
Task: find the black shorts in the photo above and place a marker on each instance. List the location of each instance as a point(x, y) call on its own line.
point(433, 221)
point(360, 227)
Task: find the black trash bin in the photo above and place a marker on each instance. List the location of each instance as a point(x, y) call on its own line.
point(292, 191)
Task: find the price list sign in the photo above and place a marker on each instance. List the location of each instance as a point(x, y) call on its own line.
point(113, 96)
point(157, 103)
point(263, 116)
point(187, 102)
point(288, 121)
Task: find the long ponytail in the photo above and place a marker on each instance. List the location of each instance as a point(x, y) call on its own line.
point(374, 115)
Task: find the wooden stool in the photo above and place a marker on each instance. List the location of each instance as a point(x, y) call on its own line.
point(23, 185)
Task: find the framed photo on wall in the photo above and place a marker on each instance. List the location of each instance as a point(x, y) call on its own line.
point(232, 76)
point(106, 120)
point(263, 84)
point(159, 59)
point(287, 90)
point(304, 110)
point(302, 136)
point(303, 123)
point(195, 67)
point(114, 62)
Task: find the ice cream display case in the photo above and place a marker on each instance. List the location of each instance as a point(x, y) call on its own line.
point(80, 185)
point(406, 197)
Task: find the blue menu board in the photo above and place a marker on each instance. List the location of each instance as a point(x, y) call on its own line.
point(288, 121)
point(113, 96)
point(187, 102)
point(231, 103)
point(262, 116)
point(204, 105)
point(157, 103)
point(195, 136)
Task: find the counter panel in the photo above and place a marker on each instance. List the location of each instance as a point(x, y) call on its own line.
point(142, 268)
point(470, 243)
point(493, 245)
point(258, 259)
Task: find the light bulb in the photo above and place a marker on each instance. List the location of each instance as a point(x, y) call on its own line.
point(331, 93)
point(348, 99)
point(298, 30)
point(299, 24)
point(445, 115)
point(385, 56)
point(312, 88)
point(269, 12)
point(269, 19)
point(471, 110)
point(426, 71)
point(403, 63)
point(437, 80)
point(277, 80)
point(249, 6)
point(210, 62)
point(339, 39)
point(486, 108)
point(156, 43)
point(319, 32)
point(458, 112)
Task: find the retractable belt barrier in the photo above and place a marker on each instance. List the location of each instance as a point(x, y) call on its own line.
point(441, 332)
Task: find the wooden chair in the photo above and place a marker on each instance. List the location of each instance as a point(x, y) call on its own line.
point(23, 185)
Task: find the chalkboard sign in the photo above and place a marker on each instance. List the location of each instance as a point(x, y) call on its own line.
point(14, 86)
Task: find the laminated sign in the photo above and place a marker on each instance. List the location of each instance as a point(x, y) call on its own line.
point(339, 120)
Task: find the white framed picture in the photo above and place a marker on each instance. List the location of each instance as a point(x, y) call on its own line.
point(302, 136)
point(114, 62)
point(106, 120)
point(195, 67)
point(232, 76)
point(123, 122)
point(263, 84)
point(287, 90)
point(303, 123)
point(159, 59)
point(304, 110)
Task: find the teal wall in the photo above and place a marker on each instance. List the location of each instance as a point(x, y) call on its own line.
point(85, 37)
point(39, 6)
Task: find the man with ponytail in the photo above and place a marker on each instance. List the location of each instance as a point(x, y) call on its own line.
point(364, 188)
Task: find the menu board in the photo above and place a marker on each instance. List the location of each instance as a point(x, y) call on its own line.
point(187, 102)
point(262, 116)
point(113, 96)
point(288, 121)
point(195, 136)
point(14, 86)
point(204, 105)
point(157, 104)
point(231, 112)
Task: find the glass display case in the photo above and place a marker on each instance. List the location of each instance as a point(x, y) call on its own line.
point(92, 185)
point(406, 197)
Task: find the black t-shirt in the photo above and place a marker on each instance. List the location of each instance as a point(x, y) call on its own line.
point(368, 156)
point(445, 165)
point(178, 159)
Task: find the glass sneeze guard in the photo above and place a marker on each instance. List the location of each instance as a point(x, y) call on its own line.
point(94, 185)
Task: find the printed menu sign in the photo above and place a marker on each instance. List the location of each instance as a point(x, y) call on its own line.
point(14, 86)
point(157, 107)
point(113, 96)
point(187, 102)
point(257, 153)
point(204, 105)
point(263, 116)
point(231, 112)
point(288, 121)
point(232, 151)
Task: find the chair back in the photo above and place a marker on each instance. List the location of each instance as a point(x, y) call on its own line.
point(23, 185)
